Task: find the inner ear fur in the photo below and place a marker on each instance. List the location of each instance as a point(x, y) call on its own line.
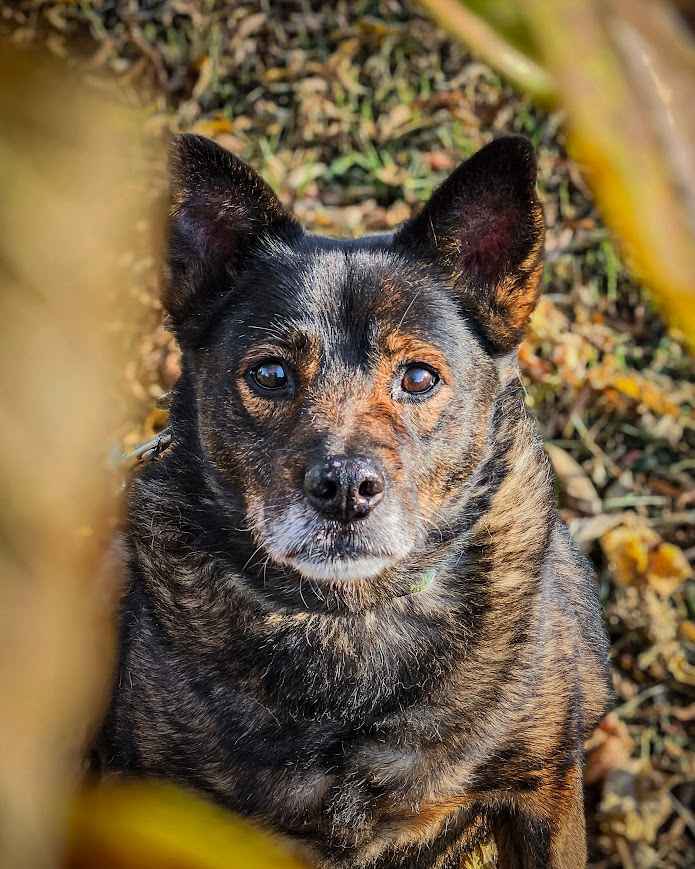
point(484, 226)
point(219, 209)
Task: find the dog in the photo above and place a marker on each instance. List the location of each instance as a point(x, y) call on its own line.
point(353, 613)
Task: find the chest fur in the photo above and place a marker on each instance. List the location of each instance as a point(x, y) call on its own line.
point(327, 741)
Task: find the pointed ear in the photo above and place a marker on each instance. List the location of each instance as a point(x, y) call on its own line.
point(219, 209)
point(484, 226)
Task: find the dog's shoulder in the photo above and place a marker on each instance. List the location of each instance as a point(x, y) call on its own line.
point(576, 618)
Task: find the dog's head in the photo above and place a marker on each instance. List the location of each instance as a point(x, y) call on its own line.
point(343, 388)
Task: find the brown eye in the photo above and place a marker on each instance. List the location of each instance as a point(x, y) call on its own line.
point(417, 380)
point(270, 376)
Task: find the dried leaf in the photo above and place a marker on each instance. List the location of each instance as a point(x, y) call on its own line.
point(640, 389)
point(609, 748)
point(687, 631)
point(667, 569)
point(634, 805)
point(574, 480)
point(586, 531)
point(627, 550)
point(152, 825)
point(213, 127)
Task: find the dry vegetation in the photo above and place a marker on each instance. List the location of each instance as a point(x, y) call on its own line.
point(354, 112)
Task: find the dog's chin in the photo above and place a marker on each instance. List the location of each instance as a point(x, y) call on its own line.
point(328, 552)
point(340, 569)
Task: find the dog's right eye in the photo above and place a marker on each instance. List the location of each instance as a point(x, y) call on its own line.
point(270, 376)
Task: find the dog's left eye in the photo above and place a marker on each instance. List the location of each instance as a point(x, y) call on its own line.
point(270, 376)
point(417, 380)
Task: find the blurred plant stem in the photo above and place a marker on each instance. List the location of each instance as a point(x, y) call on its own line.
point(624, 71)
point(66, 214)
point(492, 47)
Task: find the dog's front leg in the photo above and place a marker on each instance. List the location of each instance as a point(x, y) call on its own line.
point(545, 830)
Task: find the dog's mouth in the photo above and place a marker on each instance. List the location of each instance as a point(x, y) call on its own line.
point(346, 568)
point(328, 551)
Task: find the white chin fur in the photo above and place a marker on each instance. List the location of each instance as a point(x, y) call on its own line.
point(344, 568)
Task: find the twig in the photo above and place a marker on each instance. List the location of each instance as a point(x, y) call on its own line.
point(683, 812)
point(623, 501)
point(582, 242)
point(155, 446)
point(630, 706)
point(593, 447)
point(684, 517)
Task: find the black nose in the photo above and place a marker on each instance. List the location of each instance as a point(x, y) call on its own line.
point(344, 488)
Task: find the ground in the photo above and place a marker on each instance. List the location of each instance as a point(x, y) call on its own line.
point(354, 112)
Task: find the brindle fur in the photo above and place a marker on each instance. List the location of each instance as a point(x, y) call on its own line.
point(377, 726)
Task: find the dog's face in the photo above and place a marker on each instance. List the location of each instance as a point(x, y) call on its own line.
point(343, 388)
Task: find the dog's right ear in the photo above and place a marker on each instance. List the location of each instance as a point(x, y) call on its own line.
point(219, 209)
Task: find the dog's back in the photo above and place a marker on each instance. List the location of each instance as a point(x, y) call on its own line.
point(354, 613)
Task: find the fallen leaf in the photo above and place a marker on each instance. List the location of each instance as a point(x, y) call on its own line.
point(213, 126)
point(667, 568)
point(586, 530)
point(627, 551)
point(640, 389)
point(439, 161)
point(634, 805)
point(609, 748)
point(687, 713)
point(574, 480)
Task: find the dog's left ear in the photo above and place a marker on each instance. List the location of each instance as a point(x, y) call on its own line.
point(484, 226)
